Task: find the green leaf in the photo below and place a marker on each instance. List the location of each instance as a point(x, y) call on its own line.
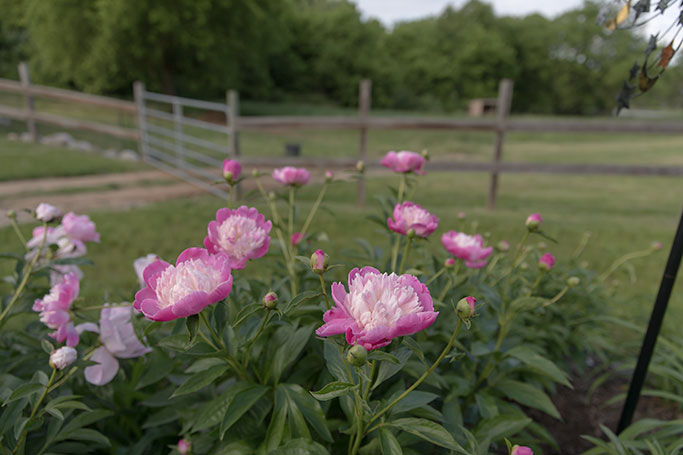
point(413, 346)
point(213, 411)
point(429, 431)
point(388, 442)
point(81, 420)
point(242, 402)
point(528, 395)
point(301, 297)
point(24, 390)
point(246, 312)
point(276, 428)
point(414, 399)
point(86, 434)
point(200, 380)
point(383, 357)
point(230, 340)
point(523, 304)
point(288, 352)
point(159, 367)
point(205, 364)
point(311, 410)
point(47, 346)
point(387, 370)
point(332, 390)
point(537, 362)
point(335, 361)
point(54, 412)
point(67, 404)
point(500, 426)
point(192, 326)
point(177, 342)
point(300, 446)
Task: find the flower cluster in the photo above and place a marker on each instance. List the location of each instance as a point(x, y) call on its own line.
point(54, 309)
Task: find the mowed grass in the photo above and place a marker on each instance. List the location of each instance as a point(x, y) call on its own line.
point(623, 214)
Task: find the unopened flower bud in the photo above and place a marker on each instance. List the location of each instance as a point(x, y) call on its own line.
point(656, 246)
point(11, 214)
point(184, 446)
point(319, 261)
point(533, 222)
point(449, 263)
point(255, 173)
point(411, 233)
point(329, 176)
point(465, 307)
point(271, 196)
point(503, 246)
point(521, 450)
point(296, 238)
point(270, 300)
point(461, 215)
point(46, 212)
point(573, 281)
point(425, 154)
point(63, 357)
point(232, 170)
point(541, 245)
point(360, 166)
point(547, 262)
point(357, 355)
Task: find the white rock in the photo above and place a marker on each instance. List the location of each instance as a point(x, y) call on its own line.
point(60, 139)
point(128, 155)
point(111, 153)
point(82, 145)
point(12, 136)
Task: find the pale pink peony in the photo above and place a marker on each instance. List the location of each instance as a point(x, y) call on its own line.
point(469, 248)
point(80, 227)
point(63, 357)
point(46, 212)
point(232, 169)
point(241, 234)
point(118, 341)
point(184, 446)
point(547, 262)
point(140, 264)
point(296, 238)
point(290, 175)
point(198, 279)
point(54, 309)
point(411, 216)
point(404, 162)
point(378, 308)
point(521, 450)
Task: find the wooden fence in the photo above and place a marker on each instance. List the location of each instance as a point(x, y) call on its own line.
point(362, 123)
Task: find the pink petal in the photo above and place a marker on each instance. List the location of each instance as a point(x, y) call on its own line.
point(106, 369)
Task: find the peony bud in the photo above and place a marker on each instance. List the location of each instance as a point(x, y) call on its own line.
point(425, 154)
point(503, 246)
point(656, 246)
point(271, 196)
point(360, 166)
point(319, 261)
point(449, 263)
point(461, 215)
point(521, 450)
point(329, 176)
point(63, 357)
point(11, 214)
point(533, 222)
point(547, 262)
point(46, 212)
point(270, 300)
point(542, 246)
point(184, 446)
point(231, 171)
point(411, 233)
point(296, 238)
point(573, 281)
point(465, 307)
point(357, 355)
point(255, 173)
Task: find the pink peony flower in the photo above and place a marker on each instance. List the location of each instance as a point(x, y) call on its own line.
point(547, 262)
point(63, 357)
point(80, 227)
point(140, 264)
point(46, 212)
point(241, 234)
point(118, 341)
point(296, 238)
point(198, 279)
point(184, 446)
point(469, 248)
point(54, 309)
point(404, 162)
point(231, 170)
point(378, 308)
point(533, 221)
point(411, 216)
point(521, 450)
point(295, 176)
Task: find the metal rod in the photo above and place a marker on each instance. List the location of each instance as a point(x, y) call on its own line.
point(656, 318)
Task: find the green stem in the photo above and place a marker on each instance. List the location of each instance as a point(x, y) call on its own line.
point(515, 260)
point(536, 283)
point(15, 226)
point(406, 249)
point(423, 377)
point(622, 260)
point(436, 275)
point(373, 364)
point(27, 274)
point(499, 341)
point(230, 197)
point(451, 280)
point(314, 209)
point(290, 220)
point(264, 321)
point(218, 346)
point(401, 188)
point(322, 285)
point(24, 432)
point(557, 297)
point(394, 252)
point(359, 416)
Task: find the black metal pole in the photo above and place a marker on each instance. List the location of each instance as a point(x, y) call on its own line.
point(653, 328)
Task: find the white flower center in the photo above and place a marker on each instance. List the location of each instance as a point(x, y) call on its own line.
point(238, 236)
point(177, 282)
point(415, 215)
point(465, 241)
point(380, 300)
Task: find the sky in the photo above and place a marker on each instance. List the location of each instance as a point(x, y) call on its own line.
point(391, 11)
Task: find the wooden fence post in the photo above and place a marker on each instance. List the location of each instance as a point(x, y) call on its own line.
point(502, 112)
point(364, 101)
point(139, 95)
point(231, 117)
point(25, 78)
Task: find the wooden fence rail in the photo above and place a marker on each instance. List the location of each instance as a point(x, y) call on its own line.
point(363, 123)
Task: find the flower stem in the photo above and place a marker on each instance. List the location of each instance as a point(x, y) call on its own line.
point(557, 297)
point(264, 321)
point(515, 261)
point(230, 197)
point(314, 209)
point(220, 346)
point(24, 432)
point(394, 252)
point(536, 283)
point(622, 260)
point(15, 226)
point(406, 249)
point(26, 275)
point(451, 280)
point(504, 320)
point(359, 415)
point(322, 285)
point(423, 377)
point(290, 220)
point(436, 275)
point(401, 188)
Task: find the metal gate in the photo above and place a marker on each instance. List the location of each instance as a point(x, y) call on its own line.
point(190, 147)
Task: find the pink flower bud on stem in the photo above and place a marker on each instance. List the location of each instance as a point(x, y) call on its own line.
point(533, 222)
point(270, 300)
point(319, 262)
point(465, 308)
point(184, 447)
point(521, 450)
point(63, 357)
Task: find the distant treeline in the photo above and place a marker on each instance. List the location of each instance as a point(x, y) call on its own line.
point(309, 50)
